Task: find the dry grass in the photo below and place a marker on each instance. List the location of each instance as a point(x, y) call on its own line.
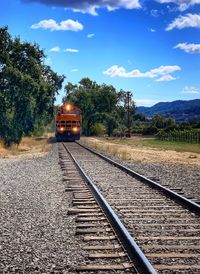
point(31, 146)
point(142, 150)
point(115, 149)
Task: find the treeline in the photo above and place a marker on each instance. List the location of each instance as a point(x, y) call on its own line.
point(167, 128)
point(27, 88)
point(104, 109)
point(158, 122)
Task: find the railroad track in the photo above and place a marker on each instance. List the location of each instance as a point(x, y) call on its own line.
point(167, 232)
point(109, 246)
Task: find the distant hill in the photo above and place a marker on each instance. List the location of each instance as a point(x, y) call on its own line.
point(178, 110)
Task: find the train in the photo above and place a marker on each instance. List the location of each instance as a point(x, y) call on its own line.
point(68, 122)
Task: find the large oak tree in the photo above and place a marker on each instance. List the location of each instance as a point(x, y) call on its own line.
point(27, 88)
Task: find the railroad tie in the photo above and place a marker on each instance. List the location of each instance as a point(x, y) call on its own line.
point(90, 219)
point(75, 188)
point(99, 267)
point(106, 255)
point(100, 238)
point(83, 196)
point(90, 214)
point(173, 255)
point(83, 210)
point(91, 225)
point(101, 247)
point(177, 267)
point(87, 206)
point(83, 199)
point(160, 247)
point(84, 203)
point(93, 231)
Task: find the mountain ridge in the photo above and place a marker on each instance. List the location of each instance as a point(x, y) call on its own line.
point(179, 110)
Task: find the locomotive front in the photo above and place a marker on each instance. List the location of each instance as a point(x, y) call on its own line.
point(68, 123)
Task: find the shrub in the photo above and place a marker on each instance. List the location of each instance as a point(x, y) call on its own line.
point(150, 130)
point(98, 129)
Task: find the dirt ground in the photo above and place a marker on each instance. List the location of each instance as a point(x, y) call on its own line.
point(144, 154)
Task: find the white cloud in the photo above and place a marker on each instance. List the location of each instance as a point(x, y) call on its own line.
point(89, 9)
point(152, 30)
point(55, 49)
point(189, 20)
point(71, 50)
point(182, 4)
point(90, 35)
point(74, 70)
point(166, 77)
point(189, 48)
point(52, 25)
point(161, 73)
point(88, 6)
point(191, 90)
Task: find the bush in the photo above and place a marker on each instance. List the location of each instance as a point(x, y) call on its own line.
point(120, 131)
point(98, 129)
point(150, 130)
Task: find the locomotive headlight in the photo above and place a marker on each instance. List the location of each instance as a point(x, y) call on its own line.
point(62, 129)
point(75, 129)
point(68, 107)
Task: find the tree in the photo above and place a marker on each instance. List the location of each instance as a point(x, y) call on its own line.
point(98, 103)
point(110, 121)
point(158, 121)
point(125, 108)
point(27, 88)
point(139, 117)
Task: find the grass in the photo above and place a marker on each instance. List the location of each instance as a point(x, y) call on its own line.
point(28, 145)
point(145, 149)
point(153, 143)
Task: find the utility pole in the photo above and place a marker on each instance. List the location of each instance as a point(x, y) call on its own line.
point(128, 113)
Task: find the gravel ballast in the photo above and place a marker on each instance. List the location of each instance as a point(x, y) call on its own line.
point(36, 235)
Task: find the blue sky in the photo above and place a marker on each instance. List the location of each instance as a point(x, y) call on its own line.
point(149, 47)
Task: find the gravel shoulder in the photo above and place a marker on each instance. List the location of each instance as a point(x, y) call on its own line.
point(36, 235)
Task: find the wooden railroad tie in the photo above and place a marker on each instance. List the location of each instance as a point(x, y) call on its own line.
point(98, 267)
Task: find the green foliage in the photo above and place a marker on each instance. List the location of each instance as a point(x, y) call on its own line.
point(167, 129)
point(98, 129)
point(190, 136)
point(150, 130)
point(99, 104)
point(122, 108)
point(185, 126)
point(139, 117)
point(110, 121)
point(27, 88)
point(151, 127)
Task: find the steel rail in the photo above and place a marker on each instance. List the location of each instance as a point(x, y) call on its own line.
point(168, 192)
point(141, 263)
